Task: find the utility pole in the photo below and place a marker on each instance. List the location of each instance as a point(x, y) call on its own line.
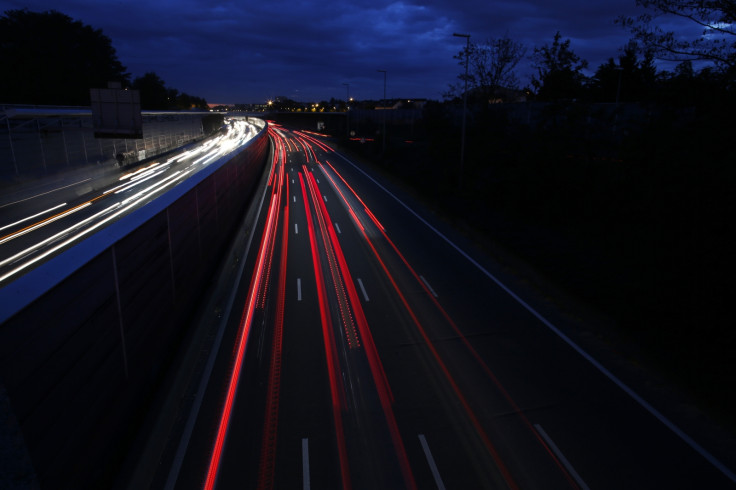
point(384, 109)
point(347, 109)
point(465, 106)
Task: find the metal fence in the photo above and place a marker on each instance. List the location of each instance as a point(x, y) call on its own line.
point(35, 141)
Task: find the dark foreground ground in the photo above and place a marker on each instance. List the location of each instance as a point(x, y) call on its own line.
point(637, 238)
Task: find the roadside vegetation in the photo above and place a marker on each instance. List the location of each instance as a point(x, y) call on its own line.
point(618, 188)
point(47, 71)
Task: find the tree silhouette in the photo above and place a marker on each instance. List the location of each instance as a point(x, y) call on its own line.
point(491, 66)
point(48, 58)
point(154, 95)
point(716, 17)
point(630, 80)
point(559, 71)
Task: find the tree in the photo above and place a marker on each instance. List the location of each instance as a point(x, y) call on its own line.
point(491, 67)
point(717, 18)
point(559, 71)
point(154, 94)
point(48, 58)
point(632, 79)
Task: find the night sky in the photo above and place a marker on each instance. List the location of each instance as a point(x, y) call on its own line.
point(251, 51)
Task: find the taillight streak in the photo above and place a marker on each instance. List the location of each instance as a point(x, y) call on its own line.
point(315, 141)
point(458, 393)
point(491, 375)
point(336, 388)
point(378, 373)
point(270, 425)
point(308, 148)
point(348, 323)
point(243, 335)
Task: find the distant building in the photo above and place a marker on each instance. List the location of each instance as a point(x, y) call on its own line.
point(395, 104)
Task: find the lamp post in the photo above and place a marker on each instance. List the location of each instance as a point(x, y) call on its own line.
point(465, 105)
point(347, 108)
point(384, 108)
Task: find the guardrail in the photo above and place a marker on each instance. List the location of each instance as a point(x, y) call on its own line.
point(87, 337)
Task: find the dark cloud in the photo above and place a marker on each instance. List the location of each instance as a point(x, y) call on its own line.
point(235, 51)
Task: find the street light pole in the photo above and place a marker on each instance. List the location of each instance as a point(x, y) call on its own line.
point(347, 108)
point(384, 109)
point(465, 105)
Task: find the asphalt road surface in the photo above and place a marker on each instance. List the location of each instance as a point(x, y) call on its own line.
point(368, 351)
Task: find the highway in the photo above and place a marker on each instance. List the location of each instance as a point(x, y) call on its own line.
point(366, 349)
point(39, 225)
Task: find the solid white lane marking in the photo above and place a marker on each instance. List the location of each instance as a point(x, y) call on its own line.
point(44, 193)
point(432, 465)
point(365, 295)
point(428, 286)
point(305, 464)
point(337, 227)
point(296, 229)
point(561, 457)
point(299, 289)
point(608, 374)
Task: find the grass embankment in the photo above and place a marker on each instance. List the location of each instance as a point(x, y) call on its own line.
point(636, 223)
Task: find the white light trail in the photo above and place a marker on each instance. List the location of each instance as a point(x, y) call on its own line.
point(51, 239)
point(34, 216)
point(44, 223)
point(211, 149)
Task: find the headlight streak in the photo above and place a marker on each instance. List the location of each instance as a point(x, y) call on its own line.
point(70, 229)
point(34, 216)
point(51, 239)
point(133, 174)
point(135, 178)
point(135, 183)
point(150, 189)
point(152, 170)
point(45, 222)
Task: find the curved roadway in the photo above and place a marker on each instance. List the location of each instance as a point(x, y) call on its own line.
point(369, 351)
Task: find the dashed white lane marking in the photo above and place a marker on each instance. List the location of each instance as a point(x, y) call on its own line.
point(561, 457)
point(305, 464)
point(325, 198)
point(294, 198)
point(296, 229)
point(428, 286)
point(337, 227)
point(432, 465)
point(299, 289)
point(365, 295)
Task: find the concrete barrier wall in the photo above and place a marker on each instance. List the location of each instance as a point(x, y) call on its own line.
point(83, 359)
